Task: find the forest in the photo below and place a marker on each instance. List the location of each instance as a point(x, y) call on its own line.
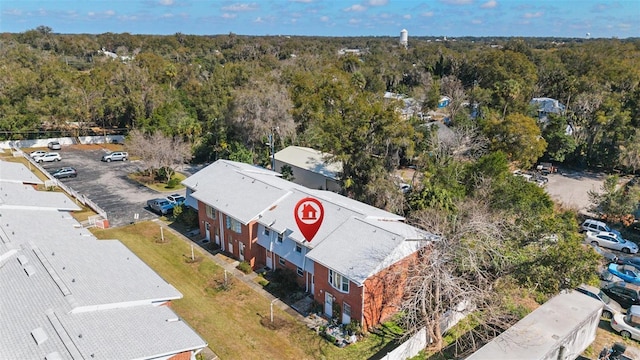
point(226, 95)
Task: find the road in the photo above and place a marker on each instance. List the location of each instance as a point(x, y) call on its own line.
point(107, 184)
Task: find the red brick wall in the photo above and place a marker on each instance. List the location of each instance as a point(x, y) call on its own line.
point(181, 356)
point(247, 236)
point(322, 286)
point(291, 266)
point(383, 292)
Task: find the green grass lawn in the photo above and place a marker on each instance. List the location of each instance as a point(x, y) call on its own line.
point(229, 319)
point(161, 187)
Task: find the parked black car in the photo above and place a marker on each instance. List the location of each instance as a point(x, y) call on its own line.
point(624, 293)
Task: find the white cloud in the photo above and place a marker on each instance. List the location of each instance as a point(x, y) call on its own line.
point(12, 12)
point(407, 16)
point(489, 4)
point(166, 2)
point(533, 15)
point(241, 7)
point(353, 21)
point(109, 12)
point(476, 22)
point(427, 14)
point(258, 20)
point(378, 2)
point(229, 16)
point(356, 7)
point(166, 16)
point(324, 18)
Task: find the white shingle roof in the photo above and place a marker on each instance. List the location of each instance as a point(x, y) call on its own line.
point(16, 195)
point(310, 159)
point(59, 282)
point(17, 173)
point(351, 232)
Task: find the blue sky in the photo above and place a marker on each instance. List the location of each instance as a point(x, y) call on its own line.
point(451, 18)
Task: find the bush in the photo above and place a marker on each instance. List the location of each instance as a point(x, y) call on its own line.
point(244, 266)
point(188, 217)
point(173, 183)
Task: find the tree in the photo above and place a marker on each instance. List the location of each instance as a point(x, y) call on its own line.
point(161, 154)
point(457, 270)
point(518, 136)
point(630, 152)
point(559, 143)
point(613, 202)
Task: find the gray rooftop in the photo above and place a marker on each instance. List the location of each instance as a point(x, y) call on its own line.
point(67, 295)
point(310, 159)
point(17, 173)
point(540, 334)
point(15, 195)
point(240, 193)
point(351, 232)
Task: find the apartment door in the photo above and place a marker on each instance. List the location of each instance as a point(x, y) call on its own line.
point(313, 285)
point(328, 304)
point(269, 259)
point(346, 313)
point(207, 231)
point(241, 250)
point(217, 237)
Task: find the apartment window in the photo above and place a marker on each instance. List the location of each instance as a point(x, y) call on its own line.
point(298, 248)
point(267, 232)
point(282, 261)
point(211, 212)
point(234, 225)
point(300, 271)
point(338, 281)
point(279, 238)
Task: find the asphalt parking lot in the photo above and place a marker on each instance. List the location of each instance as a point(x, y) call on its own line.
point(107, 184)
point(571, 188)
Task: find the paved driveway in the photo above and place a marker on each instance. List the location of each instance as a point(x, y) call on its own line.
point(107, 184)
point(571, 188)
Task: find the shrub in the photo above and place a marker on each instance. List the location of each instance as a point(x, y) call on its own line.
point(244, 266)
point(353, 328)
point(187, 216)
point(173, 183)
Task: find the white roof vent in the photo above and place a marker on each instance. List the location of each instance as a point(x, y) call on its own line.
point(22, 260)
point(53, 356)
point(39, 335)
point(30, 270)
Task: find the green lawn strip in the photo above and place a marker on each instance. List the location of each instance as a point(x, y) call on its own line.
point(229, 320)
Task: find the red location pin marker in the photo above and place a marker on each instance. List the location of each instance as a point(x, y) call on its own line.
point(309, 214)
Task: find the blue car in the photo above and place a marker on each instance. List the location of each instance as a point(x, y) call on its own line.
point(628, 273)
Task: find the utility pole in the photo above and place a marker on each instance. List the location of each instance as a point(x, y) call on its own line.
point(273, 154)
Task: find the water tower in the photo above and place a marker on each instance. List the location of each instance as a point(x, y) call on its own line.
point(404, 38)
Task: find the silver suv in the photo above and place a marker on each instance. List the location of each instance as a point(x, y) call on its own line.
point(597, 226)
point(115, 156)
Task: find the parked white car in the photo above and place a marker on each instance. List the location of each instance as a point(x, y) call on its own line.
point(35, 154)
point(628, 325)
point(611, 241)
point(597, 226)
point(48, 157)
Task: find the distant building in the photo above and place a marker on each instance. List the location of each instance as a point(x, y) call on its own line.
point(546, 106)
point(404, 38)
point(411, 106)
point(310, 167)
